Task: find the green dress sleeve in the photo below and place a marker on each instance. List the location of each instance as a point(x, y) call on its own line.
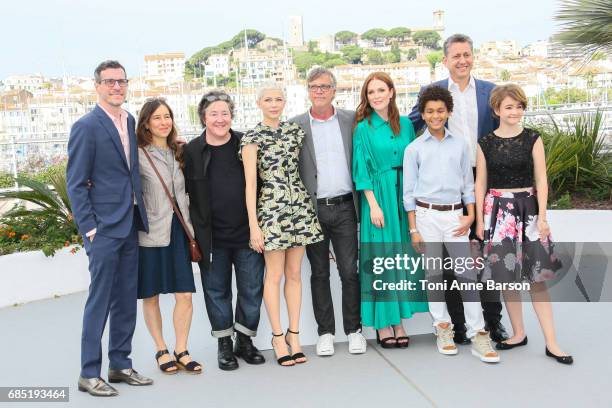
point(362, 161)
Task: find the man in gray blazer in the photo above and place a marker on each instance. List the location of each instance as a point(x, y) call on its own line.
point(325, 168)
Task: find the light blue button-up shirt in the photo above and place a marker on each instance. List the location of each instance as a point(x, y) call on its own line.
point(437, 171)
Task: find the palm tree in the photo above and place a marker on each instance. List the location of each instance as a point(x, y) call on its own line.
point(48, 204)
point(586, 24)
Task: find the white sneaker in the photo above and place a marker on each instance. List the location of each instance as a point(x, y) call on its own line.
point(445, 342)
point(481, 348)
point(325, 345)
point(357, 343)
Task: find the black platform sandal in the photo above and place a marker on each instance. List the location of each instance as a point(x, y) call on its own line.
point(387, 342)
point(190, 367)
point(283, 359)
point(165, 367)
point(296, 355)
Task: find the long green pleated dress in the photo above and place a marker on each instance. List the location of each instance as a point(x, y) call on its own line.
point(377, 159)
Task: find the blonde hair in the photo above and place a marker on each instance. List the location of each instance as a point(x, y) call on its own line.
point(500, 92)
point(270, 86)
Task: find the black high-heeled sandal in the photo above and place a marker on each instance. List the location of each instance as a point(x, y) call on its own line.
point(296, 355)
point(560, 359)
point(282, 359)
point(401, 341)
point(166, 367)
point(190, 367)
point(387, 342)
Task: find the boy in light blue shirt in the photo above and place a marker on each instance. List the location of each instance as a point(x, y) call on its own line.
point(438, 182)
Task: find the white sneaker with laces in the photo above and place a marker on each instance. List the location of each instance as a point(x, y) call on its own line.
point(357, 343)
point(325, 345)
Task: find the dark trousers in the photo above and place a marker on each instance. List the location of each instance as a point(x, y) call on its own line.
point(339, 225)
point(490, 299)
point(113, 265)
point(217, 285)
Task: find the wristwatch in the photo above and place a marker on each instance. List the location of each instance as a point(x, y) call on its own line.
point(413, 230)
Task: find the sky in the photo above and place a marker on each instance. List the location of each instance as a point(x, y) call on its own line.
point(54, 37)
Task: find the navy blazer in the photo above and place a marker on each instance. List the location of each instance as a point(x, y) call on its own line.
point(101, 186)
point(486, 121)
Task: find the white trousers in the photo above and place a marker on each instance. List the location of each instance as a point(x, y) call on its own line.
point(436, 229)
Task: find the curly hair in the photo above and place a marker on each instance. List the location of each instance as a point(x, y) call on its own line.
point(435, 93)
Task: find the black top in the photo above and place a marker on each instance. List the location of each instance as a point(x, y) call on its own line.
point(509, 160)
point(230, 221)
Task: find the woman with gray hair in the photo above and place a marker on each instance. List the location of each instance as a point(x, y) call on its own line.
point(215, 182)
point(282, 220)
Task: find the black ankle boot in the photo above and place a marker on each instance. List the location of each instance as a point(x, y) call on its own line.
point(225, 355)
point(245, 349)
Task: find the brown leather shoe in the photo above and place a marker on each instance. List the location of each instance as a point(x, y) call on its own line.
point(96, 387)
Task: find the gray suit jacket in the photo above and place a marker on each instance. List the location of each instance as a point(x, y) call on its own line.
point(308, 160)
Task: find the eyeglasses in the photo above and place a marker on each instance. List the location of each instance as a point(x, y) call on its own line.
point(320, 88)
point(221, 97)
point(111, 82)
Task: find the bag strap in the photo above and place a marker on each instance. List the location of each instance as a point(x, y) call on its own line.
point(176, 210)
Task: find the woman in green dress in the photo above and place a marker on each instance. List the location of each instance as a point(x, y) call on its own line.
point(380, 138)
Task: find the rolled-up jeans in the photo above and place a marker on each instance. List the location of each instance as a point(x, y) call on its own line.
point(436, 229)
point(217, 285)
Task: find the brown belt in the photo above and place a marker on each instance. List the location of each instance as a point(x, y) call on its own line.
point(440, 207)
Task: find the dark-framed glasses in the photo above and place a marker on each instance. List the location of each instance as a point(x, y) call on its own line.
point(320, 88)
point(111, 82)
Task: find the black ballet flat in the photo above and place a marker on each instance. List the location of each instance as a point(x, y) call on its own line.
point(560, 359)
point(506, 346)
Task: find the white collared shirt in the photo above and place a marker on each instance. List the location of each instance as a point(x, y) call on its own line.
point(333, 175)
point(464, 120)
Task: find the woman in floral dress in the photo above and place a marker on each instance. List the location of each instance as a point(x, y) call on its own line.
point(282, 219)
point(511, 217)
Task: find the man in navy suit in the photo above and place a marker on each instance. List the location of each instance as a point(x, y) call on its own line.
point(103, 184)
point(472, 119)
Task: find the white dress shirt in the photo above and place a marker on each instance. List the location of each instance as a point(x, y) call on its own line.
point(333, 175)
point(464, 120)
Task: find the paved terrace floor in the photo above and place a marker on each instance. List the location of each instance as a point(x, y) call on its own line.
point(40, 347)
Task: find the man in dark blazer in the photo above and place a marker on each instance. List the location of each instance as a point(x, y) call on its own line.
point(103, 183)
point(472, 119)
point(325, 168)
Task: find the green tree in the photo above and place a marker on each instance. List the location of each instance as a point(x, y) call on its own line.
point(312, 46)
point(434, 58)
point(504, 75)
point(332, 62)
point(375, 34)
point(553, 96)
point(345, 37)
point(352, 54)
point(399, 33)
point(427, 38)
point(193, 66)
point(412, 54)
point(586, 24)
point(599, 56)
point(375, 57)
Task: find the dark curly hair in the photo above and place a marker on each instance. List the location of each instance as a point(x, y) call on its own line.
point(435, 93)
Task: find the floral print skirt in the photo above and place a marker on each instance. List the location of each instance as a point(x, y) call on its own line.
point(513, 249)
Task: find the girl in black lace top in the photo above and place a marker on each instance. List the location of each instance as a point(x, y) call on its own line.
point(511, 195)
